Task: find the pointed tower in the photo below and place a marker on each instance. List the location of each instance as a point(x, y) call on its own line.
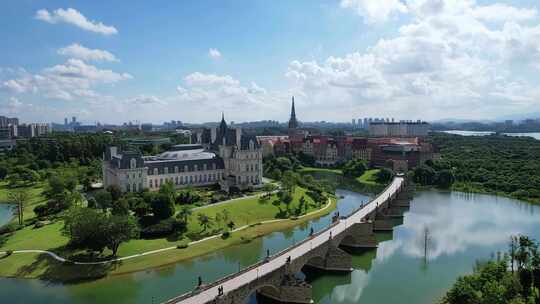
point(293, 123)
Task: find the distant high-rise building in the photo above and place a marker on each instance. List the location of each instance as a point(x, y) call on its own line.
point(65, 121)
point(353, 122)
point(73, 120)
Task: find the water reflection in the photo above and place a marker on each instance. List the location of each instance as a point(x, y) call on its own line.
point(461, 229)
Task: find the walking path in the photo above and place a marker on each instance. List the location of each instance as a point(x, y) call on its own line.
point(61, 259)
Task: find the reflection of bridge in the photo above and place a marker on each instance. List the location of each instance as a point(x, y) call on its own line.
point(274, 278)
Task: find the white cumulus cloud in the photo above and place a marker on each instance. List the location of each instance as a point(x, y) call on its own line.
point(76, 50)
point(74, 17)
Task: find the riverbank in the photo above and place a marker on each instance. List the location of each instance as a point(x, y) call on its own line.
point(39, 265)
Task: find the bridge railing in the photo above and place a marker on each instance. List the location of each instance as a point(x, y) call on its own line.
point(276, 255)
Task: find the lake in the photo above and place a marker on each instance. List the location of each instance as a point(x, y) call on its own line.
point(461, 229)
point(535, 135)
point(6, 213)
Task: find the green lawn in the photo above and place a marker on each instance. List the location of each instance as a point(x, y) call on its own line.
point(315, 169)
point(36, 197)
point(369, 177)
point(242, 212)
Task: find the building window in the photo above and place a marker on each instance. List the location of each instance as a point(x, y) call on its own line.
point(195, 168)
point(140, 187)
point(166, 170)
point(191, 179)
point(176, 180)
point(156, 171)
point(204, 167)
point(185, 168)
point(128, 188)
point(151, 186)
point(213, 166)
point(175, 169)
point(133, 163)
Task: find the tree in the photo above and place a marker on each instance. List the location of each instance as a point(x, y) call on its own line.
point(120, 207)
point(184, 214)
point(19, 198)
point(162, 206)
point(445, 178)
point(289, 180)
point(120, 229)
point(204, 221)
point(424, 175)
point(230, 225)
point(168, 189)
point(384, 175)
point(139, 206)
point(115, 192)
point(268, 188)
point(354, 168)
point(104, 199)
point(85, 228)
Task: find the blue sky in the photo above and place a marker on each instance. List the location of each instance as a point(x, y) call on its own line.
point(190, 60)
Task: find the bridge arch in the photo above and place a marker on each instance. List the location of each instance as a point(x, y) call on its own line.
point(268, 290)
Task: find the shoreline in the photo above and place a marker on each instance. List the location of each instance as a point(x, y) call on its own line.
point(169, 254)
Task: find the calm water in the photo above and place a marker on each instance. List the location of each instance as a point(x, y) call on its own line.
point(6, 213)
point(535, 135)
point(461, 229)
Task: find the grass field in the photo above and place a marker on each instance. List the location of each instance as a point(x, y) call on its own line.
point(36, 197)
point(323, 170)
point(369, 177)
point(249, 211)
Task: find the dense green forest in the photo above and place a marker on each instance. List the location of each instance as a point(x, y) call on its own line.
point(496, 164)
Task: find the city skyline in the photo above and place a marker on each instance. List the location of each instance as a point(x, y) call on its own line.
point(340, 59)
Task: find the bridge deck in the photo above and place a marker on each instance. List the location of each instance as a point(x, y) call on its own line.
point(252, 273)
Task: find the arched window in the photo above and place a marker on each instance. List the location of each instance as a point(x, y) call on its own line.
point(175, 169)
point(128, 188)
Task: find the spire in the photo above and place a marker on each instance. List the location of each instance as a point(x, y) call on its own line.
point(293, 122)
point(223, 124)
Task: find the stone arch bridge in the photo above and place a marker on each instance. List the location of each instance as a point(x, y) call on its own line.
point(275, 278)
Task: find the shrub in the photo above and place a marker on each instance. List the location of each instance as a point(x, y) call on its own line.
point(9, 228)
point(225, 235)
point(9, 252)
point(163, 228)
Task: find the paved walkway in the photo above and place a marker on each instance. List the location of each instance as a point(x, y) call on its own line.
point(61, 259)
point(238, 280)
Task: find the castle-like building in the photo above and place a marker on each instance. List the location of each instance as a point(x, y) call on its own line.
point(222, 156)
